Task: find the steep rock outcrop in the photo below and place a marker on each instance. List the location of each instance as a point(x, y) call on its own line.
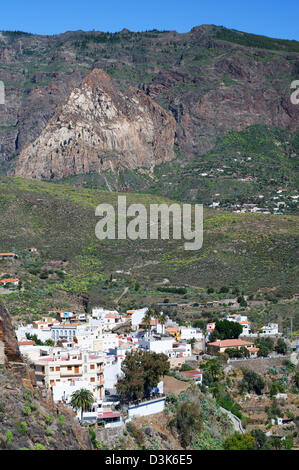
point(29, 419)
point(99, 128)
point(8, 337)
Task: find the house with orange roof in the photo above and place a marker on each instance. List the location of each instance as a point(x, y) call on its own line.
point(26, 343)
point(195, 375)
point(221, 345)
point(8, 255)
point(9, 282)
point(45, 323)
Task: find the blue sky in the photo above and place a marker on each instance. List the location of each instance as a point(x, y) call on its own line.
point(275, 18)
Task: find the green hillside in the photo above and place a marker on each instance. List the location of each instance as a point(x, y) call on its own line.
point(247, 251)
point(267, 155)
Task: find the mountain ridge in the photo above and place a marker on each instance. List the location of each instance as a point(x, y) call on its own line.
point(211, 80)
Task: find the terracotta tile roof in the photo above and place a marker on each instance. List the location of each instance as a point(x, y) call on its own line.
point(7, 254)
point(153, 323)
point(191, 373)
point(228, 343)
point(108, 414)
point(3, 281)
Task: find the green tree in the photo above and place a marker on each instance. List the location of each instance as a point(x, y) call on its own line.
point(242, 301)
point(225, 329)
point(239, 442)
point(213, 367)
point(281, 346)
point(253, 382)
point(82, 399)
point(259, 437)
point(147, 319)
point(163, 319)
point(142, 371)
point(265, 345)
point(275, 443)
point(188, 422)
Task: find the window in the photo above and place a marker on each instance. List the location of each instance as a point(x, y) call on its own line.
point(69, 367)
point(57, 369)
point(92, 379)
point(92, 366)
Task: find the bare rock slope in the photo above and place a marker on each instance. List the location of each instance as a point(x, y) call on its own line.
point(100, 128)
point(29, 419)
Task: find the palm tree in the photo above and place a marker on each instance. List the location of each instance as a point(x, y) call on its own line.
point(163, 319)
point(82, 399)
point(147, 318)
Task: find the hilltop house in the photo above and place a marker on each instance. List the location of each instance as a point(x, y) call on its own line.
point(195, 375)
point(221, 345)
point(71, 366)
point(9, 282)
point(270, 330)
point(8, 256)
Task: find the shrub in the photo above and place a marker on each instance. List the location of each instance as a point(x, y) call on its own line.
point(39, 446)
point(49, 419)
point(239, 442)
point(26, 410)
point(252, 382)
point(136, 433)
point(61, 420)
point(9, 436)
point(48, 432)
point(188, 422)
point(21, 427)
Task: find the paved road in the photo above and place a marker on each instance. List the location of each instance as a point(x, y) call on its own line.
point(235, 420)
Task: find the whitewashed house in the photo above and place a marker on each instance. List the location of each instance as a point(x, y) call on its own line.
point(190, 333)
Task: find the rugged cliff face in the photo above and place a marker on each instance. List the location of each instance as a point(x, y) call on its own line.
point(99, 128)
point(8, 338)
point(211, 80)
point(29, 419)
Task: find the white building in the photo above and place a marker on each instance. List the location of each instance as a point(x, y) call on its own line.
point(62, 392)
point(190, 333)
point(137, 317)
point(64, 366)
point(42, 335)
point(112, 372)
point(99, 313)
point(270, 330)
point(146, 408)
point(64, 332)
point(157, 345)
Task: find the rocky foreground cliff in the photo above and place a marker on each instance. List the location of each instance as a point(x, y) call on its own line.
point(28, 417)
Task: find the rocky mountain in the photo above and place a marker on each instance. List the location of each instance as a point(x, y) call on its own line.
point(209, 81)
point(29, 419)
point(100, 128)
